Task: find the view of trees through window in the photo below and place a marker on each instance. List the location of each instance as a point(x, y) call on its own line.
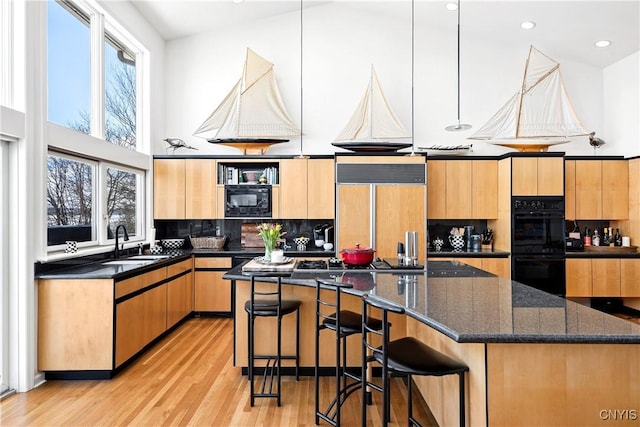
point(71, 190)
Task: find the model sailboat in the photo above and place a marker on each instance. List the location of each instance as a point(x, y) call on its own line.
point(252, 116)
point(539, 116)
point(373, 123)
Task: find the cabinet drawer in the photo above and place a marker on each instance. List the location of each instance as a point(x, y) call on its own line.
point(208, 262)
point(133, 284)
point(179, 267)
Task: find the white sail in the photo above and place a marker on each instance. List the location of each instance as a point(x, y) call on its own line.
point(541, 110)
point(253, 108)
point(374, 118)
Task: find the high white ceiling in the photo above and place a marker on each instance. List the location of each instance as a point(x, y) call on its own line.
point(570, 26)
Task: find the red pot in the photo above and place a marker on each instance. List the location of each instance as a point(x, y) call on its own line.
point(357, 255)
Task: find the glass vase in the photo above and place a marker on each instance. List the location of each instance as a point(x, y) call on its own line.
point(267, 252)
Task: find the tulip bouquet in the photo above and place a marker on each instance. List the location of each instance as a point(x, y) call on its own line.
point(271, 234)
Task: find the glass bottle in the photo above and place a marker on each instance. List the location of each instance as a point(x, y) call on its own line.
point(595, 240)
point(617, 239)
point(605, 236)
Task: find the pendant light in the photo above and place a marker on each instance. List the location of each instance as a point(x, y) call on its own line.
point(458, 126)
point(413, 37)
point(301, 155)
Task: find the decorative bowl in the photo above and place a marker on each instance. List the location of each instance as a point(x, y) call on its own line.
point(172, 243)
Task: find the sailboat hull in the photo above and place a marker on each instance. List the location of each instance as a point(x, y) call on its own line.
point(248, 145)
point(533, 146)
point(381, 147)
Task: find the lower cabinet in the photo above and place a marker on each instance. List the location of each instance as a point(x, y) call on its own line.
point(87, 328)
point(603, 277)
point(212, 292)
point(499, 266)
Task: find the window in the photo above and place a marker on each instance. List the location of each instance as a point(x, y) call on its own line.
point(70, 200)
point(93, 99)
point(68, 67)
point(120, 94)
point(123, 201)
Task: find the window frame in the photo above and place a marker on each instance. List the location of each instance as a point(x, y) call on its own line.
point(140, 202)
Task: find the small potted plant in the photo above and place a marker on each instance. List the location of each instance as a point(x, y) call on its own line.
point(271, 234)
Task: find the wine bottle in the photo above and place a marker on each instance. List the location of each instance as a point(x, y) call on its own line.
point(605, 236)
point(617, 240)
point(595, 240)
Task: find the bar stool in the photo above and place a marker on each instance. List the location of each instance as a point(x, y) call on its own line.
point(402, 357)
point(344, 323)
point(269, 303)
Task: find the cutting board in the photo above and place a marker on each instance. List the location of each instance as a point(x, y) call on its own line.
point(611, 249)
point(254, 265)
point(249, 237)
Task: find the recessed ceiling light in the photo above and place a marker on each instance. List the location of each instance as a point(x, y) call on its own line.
point(603, 43)
point(527, 25)
point(452, 6)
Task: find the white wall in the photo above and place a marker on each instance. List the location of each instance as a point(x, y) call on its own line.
point(339, 46)
point(621, 107)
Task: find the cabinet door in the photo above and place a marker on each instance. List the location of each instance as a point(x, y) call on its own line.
point(354, 215)
point(550, 176)
point(578, 277)
point(200, 188)
point(436, 189)
point(484, 189)
point(399, 208)
point(630, 277)
point(499, 266)
point(169, 188)
point(293, 188)
point(212, 292)
point(524, 176)
point(570, 189)
point(139, 320)
point(458, 185)
point(321, 190)
point(606, 277)
point(588, 189)
point(615, 189)
point(179, 298)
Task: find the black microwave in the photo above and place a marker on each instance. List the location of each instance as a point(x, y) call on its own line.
point(247, 201)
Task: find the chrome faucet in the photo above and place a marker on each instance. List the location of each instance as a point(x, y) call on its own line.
point(126, 238)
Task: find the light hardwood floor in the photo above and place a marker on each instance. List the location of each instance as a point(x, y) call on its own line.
point(187, 379)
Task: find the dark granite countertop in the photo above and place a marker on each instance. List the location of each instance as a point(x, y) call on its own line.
point(471, 254)
point(480, 308)
point(106, 269)
point(588, 254)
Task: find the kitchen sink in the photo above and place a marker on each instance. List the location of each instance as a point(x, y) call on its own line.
point(129, 262)
point(150, 257)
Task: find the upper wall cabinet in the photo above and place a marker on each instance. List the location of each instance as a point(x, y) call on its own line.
point(307, 188)
point(462, 189)
point(184, 188)
point(597, 189)
point(537, 176)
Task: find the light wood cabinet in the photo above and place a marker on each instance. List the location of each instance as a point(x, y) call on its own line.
point(462, 189)
point(597, 189)
point(578, 277)
point(212, 293)
point(293, 188)
point(537, 176)
point(97, 325)
point(501, 267)
point(321, 189)
point(630, 277)
point(169, 188)
point(201, 195)
point(603, 277)
point(185, 189)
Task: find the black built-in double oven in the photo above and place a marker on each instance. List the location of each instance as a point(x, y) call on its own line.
point(538, 242)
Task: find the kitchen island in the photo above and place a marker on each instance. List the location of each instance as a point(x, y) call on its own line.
point(534, 358)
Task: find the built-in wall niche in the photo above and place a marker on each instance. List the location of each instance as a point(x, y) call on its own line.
point(232, 229)
point(442, 229)
point(581, 226)
point(248, 173)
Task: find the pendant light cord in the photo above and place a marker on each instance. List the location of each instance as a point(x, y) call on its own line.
point(413, 19)
point(458, 126)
